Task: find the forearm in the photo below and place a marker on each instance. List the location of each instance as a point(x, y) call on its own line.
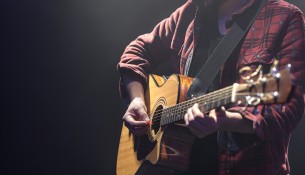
point(133, 85)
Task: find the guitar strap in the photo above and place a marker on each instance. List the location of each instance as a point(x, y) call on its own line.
point(223, 50)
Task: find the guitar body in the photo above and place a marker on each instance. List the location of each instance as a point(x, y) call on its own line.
point(169, 145)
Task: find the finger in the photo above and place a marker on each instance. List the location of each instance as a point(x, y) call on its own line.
point(186, 119)
point(190, 116)
point(193, 124)
point(196, 111)
point(143, 115)
point(131, 122)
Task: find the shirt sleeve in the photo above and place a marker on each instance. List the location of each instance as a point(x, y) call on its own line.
point(277, 120)
point(148, 51)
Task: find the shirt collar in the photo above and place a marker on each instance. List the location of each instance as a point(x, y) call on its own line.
point(243, 8)
point(236, 13)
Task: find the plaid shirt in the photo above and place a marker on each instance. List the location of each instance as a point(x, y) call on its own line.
point(278, 32)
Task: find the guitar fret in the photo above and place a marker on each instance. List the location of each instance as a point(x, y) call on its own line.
point(219, 103)
point(208, 101)
point(225, 100)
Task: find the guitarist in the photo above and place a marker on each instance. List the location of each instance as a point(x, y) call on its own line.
point(230, 140)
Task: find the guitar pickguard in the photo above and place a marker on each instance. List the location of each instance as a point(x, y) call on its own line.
point(145, 146)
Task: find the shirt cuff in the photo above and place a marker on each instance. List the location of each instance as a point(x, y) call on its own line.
point(123, 93)
point(252, 114)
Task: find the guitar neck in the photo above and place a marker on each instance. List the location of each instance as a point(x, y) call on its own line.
point(207, 102)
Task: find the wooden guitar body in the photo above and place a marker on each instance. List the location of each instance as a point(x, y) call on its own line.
point(169, 145)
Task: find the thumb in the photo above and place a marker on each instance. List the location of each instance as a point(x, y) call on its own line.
point(143, 114)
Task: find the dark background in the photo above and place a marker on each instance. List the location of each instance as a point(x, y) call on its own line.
point(60, 110)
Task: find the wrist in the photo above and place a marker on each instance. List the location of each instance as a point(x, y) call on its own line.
point(136, 91)
point(141, 99)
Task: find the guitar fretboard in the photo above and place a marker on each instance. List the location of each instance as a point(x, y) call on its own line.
point(207, 102)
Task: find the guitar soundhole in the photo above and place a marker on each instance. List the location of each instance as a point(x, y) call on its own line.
point(157, 119)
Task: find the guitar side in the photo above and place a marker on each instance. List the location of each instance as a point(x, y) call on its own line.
point(127, 162)
point(133, 150)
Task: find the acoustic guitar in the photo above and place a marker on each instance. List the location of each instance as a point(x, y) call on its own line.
point(168, 142)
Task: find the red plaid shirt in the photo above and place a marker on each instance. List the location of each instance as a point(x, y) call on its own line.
point(278, 32)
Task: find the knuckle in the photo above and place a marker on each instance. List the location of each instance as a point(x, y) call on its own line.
point(193, 109)
point(185, 117)
point(190, 110)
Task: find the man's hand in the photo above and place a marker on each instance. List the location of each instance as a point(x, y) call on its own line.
point(136, 118)
point(201, 124)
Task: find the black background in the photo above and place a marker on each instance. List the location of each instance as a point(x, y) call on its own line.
point(60, 110)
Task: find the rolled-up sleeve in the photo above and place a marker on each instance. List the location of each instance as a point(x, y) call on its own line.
point(148, 51)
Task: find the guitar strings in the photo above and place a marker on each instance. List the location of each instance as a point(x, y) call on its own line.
point(159, 116)
point(183, 109)
point(207, 98)
point(212, 97)
point(155, 121)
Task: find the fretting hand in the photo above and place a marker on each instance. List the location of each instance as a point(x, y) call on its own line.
point(201, 124)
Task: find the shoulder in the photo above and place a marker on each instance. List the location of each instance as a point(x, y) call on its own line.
point(184, 13)
point(280, 10)
point(283, 6)
point(188, 6)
